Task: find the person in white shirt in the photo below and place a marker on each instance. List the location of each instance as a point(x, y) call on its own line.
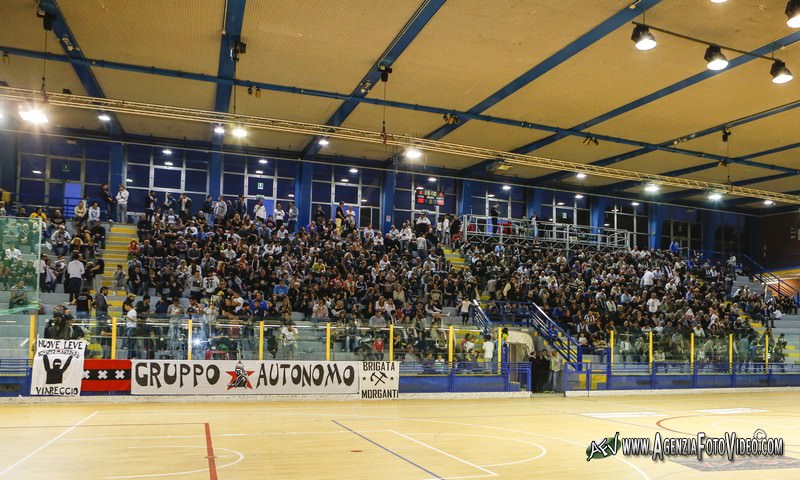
point(647, 278)
point(75, 271)
point(288, 339)
point(279, 215)
point(13, 253)
point(122, 204)
point(220, 210)
point(94, 213)
point(259, 212)
point(653, 303)
point(131, 319)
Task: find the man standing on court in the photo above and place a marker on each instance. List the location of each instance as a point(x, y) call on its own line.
point(122, 204)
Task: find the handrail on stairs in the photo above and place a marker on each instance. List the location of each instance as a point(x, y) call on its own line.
point(770, 280)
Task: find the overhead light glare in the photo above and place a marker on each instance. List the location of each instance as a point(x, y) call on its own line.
point(353, 170)
point(651, 188)
point(769, 202)
point(259, 172)
point(239, 132)
point(166, 151)
point(129, 180)
point(104, 117)
point(262, 161)
point(793, 13)
point(635, 204)
point(718, 1)
point(291, 195)
point(506, 187)
point(36, 172)
point(431, 179)
point(560, 204)
point(780, 74)
point(579, 196)
point(715, 196)
point(364, 200)
point(580, 176)
point(715, 58)
point(219, 130)
point(491, 195)
point(643, 39)
point(169, 164)
point(344, 180)
point(33, 115)
point(413, 153)
point(324, 142)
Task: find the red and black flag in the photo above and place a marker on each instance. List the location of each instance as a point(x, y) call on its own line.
point(106, 376)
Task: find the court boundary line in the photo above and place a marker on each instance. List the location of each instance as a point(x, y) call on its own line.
point(212, 460)
point(46, 444)
point(465, 462)
point(388, 450)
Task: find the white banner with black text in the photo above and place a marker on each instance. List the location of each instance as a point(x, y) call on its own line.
point(274, 377)
point(57, 367)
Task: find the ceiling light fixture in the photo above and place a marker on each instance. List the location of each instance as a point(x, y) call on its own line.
point(506, 187)
point(413, 153)
point(635, 204)
point(323, 142)
point(651, 188)
point(560, 204)
point(715, 58)
point(715, 196)
point(166, 151)
point(643, 39)
point(769, 202)
point(364, 200)
point(219, 130)
point(579, 196)
point(431, 179)
point(780, 74)
point(491, 195)
point(291, 195)
point(259, 172)
point(104, 117)
point(793, 13)
point(239, 132)
point(129, 180)
point(718, 1)
point(36, 172)
point(344, 180)
point(169, 164)
point(353, 170)
point(580, 176)
point(33, 114)
point(262, 161)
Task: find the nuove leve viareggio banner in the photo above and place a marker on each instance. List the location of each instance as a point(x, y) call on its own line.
point(57, 367)
point(371, 380)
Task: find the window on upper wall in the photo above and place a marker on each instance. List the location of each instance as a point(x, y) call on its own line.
point(321, 192)
point(167, 178)
point(64, 169)
point(138, 154)
point(196, 181)
point(98, 150)
point(285, 188)
point(322, 172)
point(97, 172)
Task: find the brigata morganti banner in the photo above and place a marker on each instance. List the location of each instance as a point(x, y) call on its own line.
point(57, 367)
point(370, 380)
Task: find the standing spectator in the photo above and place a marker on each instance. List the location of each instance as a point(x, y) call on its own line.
point(240, 206)
point(122, 204)
point(79, 218)
point(279, 215)
point(150, 203)
point(293, 214)
point(220, 210)
point(495, 214)
point(208, 208)
point(288, 338)
point(83, 304)
point(75, 272)
point(259, 212)
point(107, 200)
point(120, 279)
point(185, 205)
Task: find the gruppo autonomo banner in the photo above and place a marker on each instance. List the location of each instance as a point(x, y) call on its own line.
point(371, 380)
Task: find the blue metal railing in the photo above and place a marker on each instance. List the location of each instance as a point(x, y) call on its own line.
point(479, 318)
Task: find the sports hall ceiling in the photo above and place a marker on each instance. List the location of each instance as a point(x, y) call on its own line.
point(544, 77)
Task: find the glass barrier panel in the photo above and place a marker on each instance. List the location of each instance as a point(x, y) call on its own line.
point(20, 264)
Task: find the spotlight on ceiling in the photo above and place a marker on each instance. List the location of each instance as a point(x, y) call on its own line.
point(413, 153)
point(715, 58)
point(580, 176)
point(323, 142)
point(33, 114)
point(104, 117)
point(635, 204)
point(431, 179)
point(166, 151)
point(506, 187)
point(579, 196)
point(715, 196)
point(643, 39)
point(262, 161)
point(239, 132)
point(769, 203)
point(718, 1)
point(779, 72)
point(651, 188)
point(219, 130)
point(353, 170)
point(793, 13)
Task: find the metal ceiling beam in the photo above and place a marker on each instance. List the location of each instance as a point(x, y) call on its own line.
point(573, 48)
point(234, 18)
point(676, 87)
point(402, 40)
point(77, 59)
point(367, 136)
point(685, 138)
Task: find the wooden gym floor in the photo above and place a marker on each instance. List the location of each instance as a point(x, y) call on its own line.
point(542, 437)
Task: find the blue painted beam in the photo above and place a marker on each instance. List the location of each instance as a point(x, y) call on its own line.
point(676, 87)
point(75, 56)
point(407, 34)
point(583, 42)
point(234, 19)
